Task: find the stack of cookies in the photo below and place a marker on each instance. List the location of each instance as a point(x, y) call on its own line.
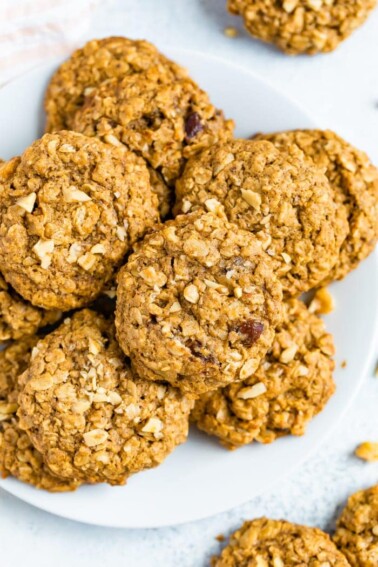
point(152, 267)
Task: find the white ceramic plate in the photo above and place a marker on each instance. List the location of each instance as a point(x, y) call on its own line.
point(200, 478)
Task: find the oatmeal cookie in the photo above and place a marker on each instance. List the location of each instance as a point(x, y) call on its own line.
point(354, 181)
point(357, 529)
point(197, 303)
point(164, 121)
point(89, 414)
point(19, 318)
point(277, 543)
point(280, 196)
point(99, 61)
point(302, 26)
point(70, 209)
point(291, 385)
point(18, 457)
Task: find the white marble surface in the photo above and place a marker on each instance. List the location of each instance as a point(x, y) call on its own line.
point(341, 90)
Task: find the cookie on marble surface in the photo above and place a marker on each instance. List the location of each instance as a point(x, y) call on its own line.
point(89, 414)
point(280, 196)
point(100, 60)
point(357, 529)
point(70, 209)
point(292, 384)
point(354, 180)
point(165, 121)
point(18, 457)
point(302, 26)
point(277, 543)
point(197, 303)
point(19, 318)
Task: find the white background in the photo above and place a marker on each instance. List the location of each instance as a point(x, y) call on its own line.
point(341, 91)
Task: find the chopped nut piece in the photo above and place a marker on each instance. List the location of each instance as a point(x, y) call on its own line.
point(248, 369)
point(253, 391)
point(288, 354)
point(95, 437)
point(87, 261)
point(98, 249)
point(252, 198)
point(44, 250)
point(367, 451)
point(231, 32)
point(121, 233)
point(73, 194)
point(212, 205)
point(27, 203)
point(191, 293)
point(153, 425)
point(322, 302)
point(110, 139)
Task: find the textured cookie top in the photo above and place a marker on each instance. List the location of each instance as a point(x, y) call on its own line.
point(354, 180)
point(18, 457)
point(357, 529)
point(277, 543)
point(302, 26)
point(291, 385)
point(70, 209)
point(91, 417)
point(197, 303)
point(19, 318)
point(98, 61)
point(278, 195)
point(164, 120)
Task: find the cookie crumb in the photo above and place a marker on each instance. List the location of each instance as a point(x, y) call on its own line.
point(367, 451)
point(231, 32)
point(322, 302)
point(344, 364)
point(221, 538)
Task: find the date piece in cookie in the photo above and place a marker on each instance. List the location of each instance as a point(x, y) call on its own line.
point(165, 121)
point(70, 209)
point(280, 196)
point(354, 181)
point(277, 543)
point(18, 457)
point(89, 414)
point(357, 529)
point(100, 60)
point(197, 303)
point(302, 26)
point(292, 384)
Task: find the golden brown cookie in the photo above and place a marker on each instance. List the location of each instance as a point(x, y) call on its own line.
point(280, 196)
point(99, 61)
point(302, 26)
point(90, 416)
point(18, 457)
point(70, 209)
point(292, 384)
point(165, 121)
point(19, 318)
point(277, 543)
point(197, 303)
point(357, 529)
point(354, 180)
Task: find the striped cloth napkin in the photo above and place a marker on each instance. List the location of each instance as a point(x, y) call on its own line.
point(31, 31)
